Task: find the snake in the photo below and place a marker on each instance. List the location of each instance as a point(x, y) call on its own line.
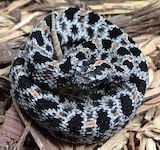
point(89, 91)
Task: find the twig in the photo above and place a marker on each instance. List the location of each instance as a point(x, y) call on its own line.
point(55, 38)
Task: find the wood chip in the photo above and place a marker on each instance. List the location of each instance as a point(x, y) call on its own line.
point(156, 80)
point(116, 142)
point(150, 145)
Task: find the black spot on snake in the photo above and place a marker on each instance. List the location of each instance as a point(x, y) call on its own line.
point(93, 18)
point(74, 29)
point(66, 66)
point(19, 61)
point(90, 45)
point(96, 71)
point(25, 82)
point(106, 44)
point(108, 22)
point(59, 37)
point(131, 40)
point(63, 24)
point(85, 63)
point(135, 51)
point(80, 55)
point(129, 64)
point(110, 103)
point(123, 42)
point(70, 41)
point(101, 29)
point(75, 124)
point(38, 36)
point(143, 66)
point(119, 68)
point(48, 20)
point(140, 84)
point(77, 42)
point(90, 32)
point(126, 103)
point(48, 48)
point(113, 60)
point(103, 121)
point(48, 104)
point(104, 66)
point(115, 32)
point(92, 59)
point(104, 56)
point(122, 51)
point(81, 19)
point(31, 67)
point(69, 13)
point(38, 58)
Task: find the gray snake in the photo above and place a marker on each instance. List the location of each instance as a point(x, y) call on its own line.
point(93, 91)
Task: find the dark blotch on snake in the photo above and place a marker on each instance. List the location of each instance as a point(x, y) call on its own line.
point(38, 36)
point(90, 32)
point(80, 55)
point(140, 84)
point(69, 13)
point(103, 121)
point(126, 103)
point(104, 56)
point(48, 104)
point(75, 124)
point(39, 58)
point(66, 66)
point(19, 61)
point(135, 51)
point(105, 65)
point(93, 18)
point(114, 33)
point(24, 82)
point(113, 60)
point(106, 44)
point(119, 68)
point(131, 40)
point(89, 45)
point(143, 66)
point(108, 22)
point(48, 20)
point(74, 29)
point(48, 48)
point(31, 67)
point(129, 64)
point(122, 51)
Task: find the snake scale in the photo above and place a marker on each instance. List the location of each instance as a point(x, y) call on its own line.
point(93, 91)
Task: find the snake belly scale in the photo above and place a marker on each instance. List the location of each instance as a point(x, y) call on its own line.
point(93, 91)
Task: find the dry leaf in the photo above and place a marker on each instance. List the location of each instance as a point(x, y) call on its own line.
point(150, 145)
point(116, 142)
point(156, 80)
point(151, 77)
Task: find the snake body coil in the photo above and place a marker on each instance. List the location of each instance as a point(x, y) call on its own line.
point(93, 91)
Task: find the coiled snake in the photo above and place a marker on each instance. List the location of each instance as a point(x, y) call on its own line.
point(93, 90)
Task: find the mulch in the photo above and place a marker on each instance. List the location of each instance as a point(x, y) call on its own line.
point(139, 18)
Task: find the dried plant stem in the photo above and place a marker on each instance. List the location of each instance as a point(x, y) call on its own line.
point(55, 38)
